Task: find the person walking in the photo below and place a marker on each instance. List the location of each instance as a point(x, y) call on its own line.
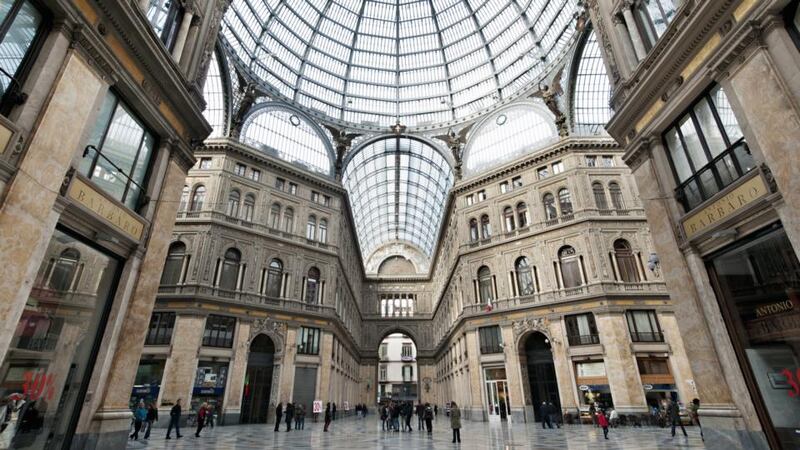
point(455, 422)
point(554, 413)
point(544, 413)
point(383, 417)
point(278, 416)
point(209, 415)
point(409, 408)
point(602, 422)
point(333, 417)
point(674, 416)
point(202, 412)
point(175, 420)
point(435, 411)
point(395, 417)
point(693, 414)
point(300, 413)
point(289, 416)
point(429, 413)
point(139, 416)
point(152, 418)
point(420, 411)
point(327, 416)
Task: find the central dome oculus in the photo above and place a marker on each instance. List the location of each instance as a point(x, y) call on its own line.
point(373, 63)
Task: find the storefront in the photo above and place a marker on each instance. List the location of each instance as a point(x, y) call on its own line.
point(592, 384)
point(209, 385)
point(55, 345)
point(147, 384)
point(757, 281)
point(497, 399)
point(657, 381)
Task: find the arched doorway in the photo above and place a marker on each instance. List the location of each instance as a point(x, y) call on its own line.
point(258, 380)
point(398, 377)
point(541, 373)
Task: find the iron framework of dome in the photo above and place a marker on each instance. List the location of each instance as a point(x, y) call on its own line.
point(422, 63)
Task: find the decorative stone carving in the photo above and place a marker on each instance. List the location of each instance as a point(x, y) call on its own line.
point(272, 328)
point(522, 327)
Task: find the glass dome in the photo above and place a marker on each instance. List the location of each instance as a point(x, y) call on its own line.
point(372, 62)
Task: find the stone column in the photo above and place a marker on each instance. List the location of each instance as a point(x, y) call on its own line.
point(232, 403)
point(183, 33)
point(629, 53)
point(426, 371)
point(633, 31)
point(513, 375)
point(27, 219)
point(191, 42)
point(181, 367)
point(287, 366)
point(325, 366)
point(621, 369)
point(679, 365)
point(475, 410)
point(563, 367)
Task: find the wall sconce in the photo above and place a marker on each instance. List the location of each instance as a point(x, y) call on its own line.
point(653, 262)
point(426, 383)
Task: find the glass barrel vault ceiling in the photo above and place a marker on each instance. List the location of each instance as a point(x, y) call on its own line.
point(421, 62)
point(397, 187)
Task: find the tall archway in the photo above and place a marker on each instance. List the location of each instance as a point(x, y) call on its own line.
point(258, 380)
point(398, 377)
point(542, 383)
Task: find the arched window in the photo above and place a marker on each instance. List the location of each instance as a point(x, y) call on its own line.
point(485, 289)
point(473, 230)
point(288, 220)
point(599, 196)
point(323, 230)
point(570, 267)
point(274, 278)
point(275, 216)
point(549, 202)
point(522, 215)
point(508, 219)
point(249, 204)
point(616, 196)
point(591, 92)
point(626, 261)
point(311, 228)
point(214, 95)
point(233, 203)
point(229, 273)
point(525, 284)
point(64, 270)
point(173, 267)
point(198, 198)
point(184, 198)
point(486, 227)
point(312, 285)
point(565, 202)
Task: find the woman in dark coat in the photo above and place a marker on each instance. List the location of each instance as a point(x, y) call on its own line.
point(278, 415)
point(327, 416)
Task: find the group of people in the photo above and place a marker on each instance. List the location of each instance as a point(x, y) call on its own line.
point(144, 417)
point(670, 408)
point(20, 421)
point(361, 410)
point(550, 414)
point(292, 412)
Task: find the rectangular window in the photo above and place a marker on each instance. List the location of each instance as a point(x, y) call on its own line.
point(706, 149)
point(205, 163)
point(504, 187)
point(644, 326)
point(591, 161)
point(481, 195)
point(279, 183)
point(408, 374)
point(308, 341)
point(383, 350)
point(160, 330)
point(255, 175)
point(21, 28)
point(117, 155)
point(470, 200)
point(292, 188)
point(406, 351)
point(326, 200)
point(608, 161)
point(383, 372)
point(558, 167)
point(653, 366)
point(516, 182)
point(490, 340)
point(219, 331)
point(165, 16)
point(581, 329)
point(239, 169)
point(542, 173)
point(653, 17)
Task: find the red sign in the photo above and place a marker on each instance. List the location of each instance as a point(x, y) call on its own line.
point(39, 385)
point(793, 381)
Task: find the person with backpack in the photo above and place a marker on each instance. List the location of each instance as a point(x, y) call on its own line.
point(175, 420)
point(455, 422)
point(428, 416)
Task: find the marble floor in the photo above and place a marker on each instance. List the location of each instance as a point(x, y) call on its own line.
point(366, 434)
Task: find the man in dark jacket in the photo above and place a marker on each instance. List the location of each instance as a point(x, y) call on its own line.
point(674, 415)
point(174, 420)
point(152, 418)
point(289, 416)
point(544, 413)
point(420, 416)
point(278, 415)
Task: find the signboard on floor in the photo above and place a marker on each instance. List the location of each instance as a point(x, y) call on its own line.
point(347, 406)
point(317, 407)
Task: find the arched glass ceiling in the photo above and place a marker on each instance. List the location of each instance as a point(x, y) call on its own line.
point(508, 135)
point(397, 188)
point(422, 61)
point(214, 94)
point(282, 133)
point(592, 92)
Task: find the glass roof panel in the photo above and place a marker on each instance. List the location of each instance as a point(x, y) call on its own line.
point(592, 94)
point(453, 49)
point(214, 94)
point(397, 188)
point(284, 134)
point(507, 135)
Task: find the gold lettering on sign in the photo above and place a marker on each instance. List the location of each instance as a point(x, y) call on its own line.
point(774, 308)
point(88, 196)
point(724, 207)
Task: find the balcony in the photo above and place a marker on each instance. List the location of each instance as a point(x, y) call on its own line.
point(583, 339)
point(246, 298)
point(715, 176)
point(647, 336)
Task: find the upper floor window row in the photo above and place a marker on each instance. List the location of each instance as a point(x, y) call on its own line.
point(22, 28)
